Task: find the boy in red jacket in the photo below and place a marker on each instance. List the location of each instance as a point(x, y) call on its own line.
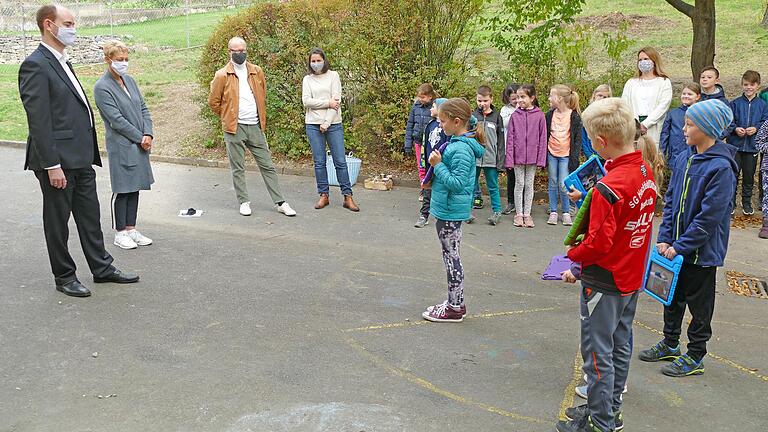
point(612, 256)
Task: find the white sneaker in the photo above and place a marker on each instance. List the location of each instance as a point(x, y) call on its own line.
point(245, 208)
point(285, 209)
point(124, 241)
point(139, 238)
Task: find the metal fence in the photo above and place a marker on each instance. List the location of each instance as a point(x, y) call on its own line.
point(101, 20)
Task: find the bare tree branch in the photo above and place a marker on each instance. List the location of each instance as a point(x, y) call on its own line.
point(680, 5)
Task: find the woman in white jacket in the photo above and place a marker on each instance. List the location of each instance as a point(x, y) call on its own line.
point(649, 93)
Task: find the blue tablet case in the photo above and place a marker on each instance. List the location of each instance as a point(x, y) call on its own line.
point(585, 177)
point(661, 276)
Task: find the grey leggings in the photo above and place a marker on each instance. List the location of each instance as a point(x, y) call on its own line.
point(449, 233)
point(524, 176)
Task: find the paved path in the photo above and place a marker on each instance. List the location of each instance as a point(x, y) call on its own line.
point(313, 323)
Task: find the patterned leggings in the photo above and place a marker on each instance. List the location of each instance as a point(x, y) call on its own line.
point(764, 172)
point(449, 233)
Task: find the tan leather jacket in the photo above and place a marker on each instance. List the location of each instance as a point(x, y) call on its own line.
point(225, 95)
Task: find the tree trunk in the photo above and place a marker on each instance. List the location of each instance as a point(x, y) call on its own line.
point(765, 17)
point(703, 49)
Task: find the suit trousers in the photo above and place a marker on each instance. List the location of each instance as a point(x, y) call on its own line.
point(80, 200)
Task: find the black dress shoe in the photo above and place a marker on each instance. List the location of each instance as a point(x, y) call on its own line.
point(74, 289)
point(118, 277)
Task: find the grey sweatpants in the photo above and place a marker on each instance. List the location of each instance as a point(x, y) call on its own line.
point(606, 333)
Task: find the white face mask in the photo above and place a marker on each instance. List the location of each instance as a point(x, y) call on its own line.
point(645, 65)
point(121, 67)
point(318, 66)
point(66, 35)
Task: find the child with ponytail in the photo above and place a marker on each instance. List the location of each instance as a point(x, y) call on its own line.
point(452, 183)
point(564, 145)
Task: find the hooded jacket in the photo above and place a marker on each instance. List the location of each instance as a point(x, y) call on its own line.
point(493, 126)
point(614, 250)
point(698, 204)
point(526, 138)
point(747, 113)
point(672, 137)
point(576, 126)
point(433, 138)
point(418, 119)
point(453, 184)
point(719, 94)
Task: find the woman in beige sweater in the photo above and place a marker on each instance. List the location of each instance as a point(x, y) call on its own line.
point(321, 96)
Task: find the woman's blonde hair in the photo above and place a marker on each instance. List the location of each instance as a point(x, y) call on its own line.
point(570, 97)
point(651, 154)
point(656, 58)
point(459, 108)
point(602, 88)
point(113, 47)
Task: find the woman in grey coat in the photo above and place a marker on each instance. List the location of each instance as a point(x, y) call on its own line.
point(129, 140)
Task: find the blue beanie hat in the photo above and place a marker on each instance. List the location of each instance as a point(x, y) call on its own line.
point(711, 116)
point(440, 101)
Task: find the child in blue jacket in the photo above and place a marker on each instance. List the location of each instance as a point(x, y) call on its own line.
point(453, 184)
point(695, 224)
point(418, 118)
point(672, 137)
point(434, 137)
point(749, 113)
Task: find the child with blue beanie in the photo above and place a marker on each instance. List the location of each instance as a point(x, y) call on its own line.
point(696, 225)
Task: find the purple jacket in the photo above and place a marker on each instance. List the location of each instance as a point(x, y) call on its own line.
point(527, 138)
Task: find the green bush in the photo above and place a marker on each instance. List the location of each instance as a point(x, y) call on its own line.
point(382, 49)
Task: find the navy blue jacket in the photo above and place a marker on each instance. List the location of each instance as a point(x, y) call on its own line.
point(418, 119)
point(698, 204)
point(719, 94)
point(746, 114)
point(433, 138)
point(672, 138)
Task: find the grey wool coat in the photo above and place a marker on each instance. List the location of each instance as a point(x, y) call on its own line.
point(126, 120)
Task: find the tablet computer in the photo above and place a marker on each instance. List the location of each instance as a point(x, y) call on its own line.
point(585, 177)
point(661, 276)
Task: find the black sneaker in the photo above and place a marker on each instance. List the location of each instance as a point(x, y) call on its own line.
point(747, 209)
point(509, 209)
point(477, 203)
point(581, 425)
point(659, 352)
point(683, 366)
point(581, 411)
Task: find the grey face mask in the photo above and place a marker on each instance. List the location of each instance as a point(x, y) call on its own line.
point(66, 35)
point(317, 67)
point(645, 65)
point(239, 58)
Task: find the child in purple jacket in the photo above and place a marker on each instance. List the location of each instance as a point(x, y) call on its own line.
point(526, 150)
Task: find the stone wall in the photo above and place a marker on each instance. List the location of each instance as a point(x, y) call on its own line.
point(87, 49)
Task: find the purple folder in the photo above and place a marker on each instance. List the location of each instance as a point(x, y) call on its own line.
point(558, 265)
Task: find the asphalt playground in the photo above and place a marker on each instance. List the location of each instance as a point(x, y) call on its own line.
point(268, 323)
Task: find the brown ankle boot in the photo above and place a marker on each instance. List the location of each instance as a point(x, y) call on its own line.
point(349, 203)
point(764, 231)
point(322, 202)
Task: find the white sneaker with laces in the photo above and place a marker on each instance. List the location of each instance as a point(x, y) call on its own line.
point(139, 238)
point(285, 209)
point(124, 241)
point(245, 208)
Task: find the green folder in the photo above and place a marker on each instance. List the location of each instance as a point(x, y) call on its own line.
point(580, 223)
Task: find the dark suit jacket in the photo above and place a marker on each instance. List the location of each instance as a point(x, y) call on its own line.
point(60, 130)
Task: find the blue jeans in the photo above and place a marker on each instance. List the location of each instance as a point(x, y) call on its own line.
point(557, 168)
point(334, 136)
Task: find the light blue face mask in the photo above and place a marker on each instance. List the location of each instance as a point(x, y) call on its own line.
point(317, 66)
point(121, 67)
point(645, 65)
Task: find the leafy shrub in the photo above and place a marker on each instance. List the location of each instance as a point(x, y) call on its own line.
point(382, 49)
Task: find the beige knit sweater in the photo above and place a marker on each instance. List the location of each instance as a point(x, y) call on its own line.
point(316, 94)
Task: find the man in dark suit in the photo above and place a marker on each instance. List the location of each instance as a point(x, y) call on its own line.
point(61, 149)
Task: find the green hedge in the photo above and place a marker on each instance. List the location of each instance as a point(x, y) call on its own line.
point(383, 49)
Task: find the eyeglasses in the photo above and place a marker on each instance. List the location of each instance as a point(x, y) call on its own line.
point(237, 51)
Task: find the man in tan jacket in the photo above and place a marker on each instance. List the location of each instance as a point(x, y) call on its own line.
point(238, 97)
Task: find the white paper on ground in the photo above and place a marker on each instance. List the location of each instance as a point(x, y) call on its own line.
point(183, 213)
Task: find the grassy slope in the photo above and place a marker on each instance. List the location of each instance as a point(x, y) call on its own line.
point(155, 71)
point(738, 30)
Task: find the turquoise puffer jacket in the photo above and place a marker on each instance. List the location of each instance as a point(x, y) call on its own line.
point(453, 184)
